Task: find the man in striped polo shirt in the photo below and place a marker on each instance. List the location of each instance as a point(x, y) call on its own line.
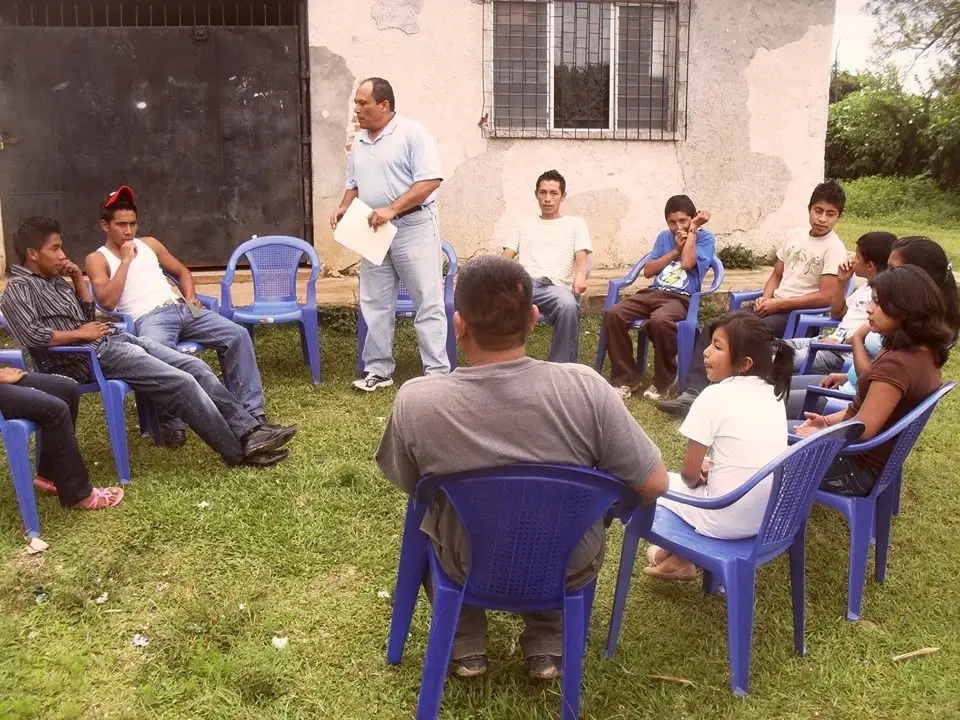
point(553, 249)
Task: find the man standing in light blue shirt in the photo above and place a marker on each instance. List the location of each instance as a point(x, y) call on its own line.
point(394, 168)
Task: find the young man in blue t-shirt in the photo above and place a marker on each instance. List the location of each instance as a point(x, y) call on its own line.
point(680, 258)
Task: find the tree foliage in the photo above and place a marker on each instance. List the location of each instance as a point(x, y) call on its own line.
point(922, 27)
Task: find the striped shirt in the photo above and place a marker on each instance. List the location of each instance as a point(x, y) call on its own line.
point(547, 248)
point(35, 307)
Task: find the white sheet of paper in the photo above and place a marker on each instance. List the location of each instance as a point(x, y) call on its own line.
point(355, 233)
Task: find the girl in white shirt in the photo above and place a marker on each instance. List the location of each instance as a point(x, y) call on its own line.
point(741, 422)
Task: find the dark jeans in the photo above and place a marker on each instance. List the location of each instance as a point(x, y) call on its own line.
point(171, 324)
point(182, 385)
point(52, 402)
point(846, 477)
point(697, 376)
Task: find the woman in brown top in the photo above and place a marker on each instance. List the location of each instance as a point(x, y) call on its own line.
point(908, 310)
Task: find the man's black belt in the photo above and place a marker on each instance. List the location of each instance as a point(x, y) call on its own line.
point(414, 209)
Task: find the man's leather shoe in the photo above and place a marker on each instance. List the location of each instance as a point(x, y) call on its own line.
point(266, 459)
point(264, 440)
point(173, 437)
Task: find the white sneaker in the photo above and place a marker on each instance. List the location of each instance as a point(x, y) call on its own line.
point(370, 383)
point(651, 393)
point(625, 392)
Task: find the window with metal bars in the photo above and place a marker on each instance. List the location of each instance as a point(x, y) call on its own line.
point(586, 68)
point(148, 13)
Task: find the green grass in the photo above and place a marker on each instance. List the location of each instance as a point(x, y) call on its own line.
point(302, 550)
point(945, 232)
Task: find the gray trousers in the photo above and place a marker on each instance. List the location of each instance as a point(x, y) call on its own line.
point(562, 308)
point(415, 258)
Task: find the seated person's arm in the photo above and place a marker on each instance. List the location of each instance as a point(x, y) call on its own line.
point(655, 265)
point(688, 253)
point(838, 303)
point(817, 299)
point(878, 406)
point(511, 248)
point(580, 276)
point(862, 361)
point(29, 330)
point(694, 470)
point(393, 456)
point(108, 290)
point(173, 266)
point(773, 282)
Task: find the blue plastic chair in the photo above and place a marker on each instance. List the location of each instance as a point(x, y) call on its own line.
point(686, 328)
point(523, 521)
point(732, 564)
point(738, 299)
point(871, 516)
point(114, 393)
point(16, 441)
point(273, 262)
point(406, 308)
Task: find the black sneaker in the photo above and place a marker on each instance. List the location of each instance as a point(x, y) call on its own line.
point(544, 667)
point(173, 437)
point(680, 405)
point(469, 666)
point(264, 423)
point(370, 383)
point(264, 440)
point(266, 459)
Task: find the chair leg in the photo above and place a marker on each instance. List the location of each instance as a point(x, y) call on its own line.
point(589, 593)
point(573, 647)
point(113, 396)
point(410, 574)
point(310, 343)
point(798, 562)
point(897, 492)
point(711, 583)
point(861, 529)
point(601, 348)
point(739, 582)
point(883, 520)
point(443, 628)
point(686, 342)
point(16, 440)
point(628, 556)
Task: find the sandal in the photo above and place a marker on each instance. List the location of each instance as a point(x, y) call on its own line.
point(44, 485)
point(686, 574)
point(653, 551)
point(100, 498)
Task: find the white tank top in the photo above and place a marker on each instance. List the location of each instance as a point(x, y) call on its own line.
point(146, 287)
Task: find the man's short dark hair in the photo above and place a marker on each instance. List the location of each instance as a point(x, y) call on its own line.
point(555, 177)
point(829, 192)
point(876, 247)
point(107, 213)
point(33, 234)
point(381, 90)
point(680, 203)
point(494, 297)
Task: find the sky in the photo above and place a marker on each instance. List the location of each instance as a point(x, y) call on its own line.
point(853, 42)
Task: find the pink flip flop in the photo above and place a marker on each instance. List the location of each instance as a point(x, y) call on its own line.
point(44, 485)
point(100, 498)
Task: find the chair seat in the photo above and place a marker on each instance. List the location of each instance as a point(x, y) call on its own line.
point(843, 504)
point(268, 312)
point(700, 549)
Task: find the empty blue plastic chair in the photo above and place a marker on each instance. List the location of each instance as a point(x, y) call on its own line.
point(523, 521)
point(871, 516)
point(114, 393)
point(738, 299)
point(16, 441)
point(732, 564)
point(274, 261)
point(406, 308)
point(686, 328)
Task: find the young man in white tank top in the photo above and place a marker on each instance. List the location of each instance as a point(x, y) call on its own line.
point(127, 276)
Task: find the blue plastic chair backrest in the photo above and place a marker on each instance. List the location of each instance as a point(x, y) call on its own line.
point(403, 294)
point(14, 358)
point(274, 261)
point(523, 521)
point(797, 474)
point(904, 434)
point(718, 272)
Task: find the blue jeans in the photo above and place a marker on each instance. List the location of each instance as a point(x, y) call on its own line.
point(562, 308)
point(175, 323)
point(182, 385)
point(415, 258)
point(824, 363)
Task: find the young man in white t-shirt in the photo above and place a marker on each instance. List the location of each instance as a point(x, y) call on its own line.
point(873, 249)
point(553, 249)
point(804, 277)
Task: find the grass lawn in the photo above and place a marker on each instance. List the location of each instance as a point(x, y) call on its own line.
point(945, 233)
point(212, 563)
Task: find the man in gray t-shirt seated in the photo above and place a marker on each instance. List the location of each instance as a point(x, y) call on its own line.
point(507, 408)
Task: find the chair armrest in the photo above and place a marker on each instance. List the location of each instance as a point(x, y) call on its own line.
point(809, 320)
point(209, 302)
point(814, 348)
point(14, 358)
point(615, 287)
point(91, 354)
point(737, 299)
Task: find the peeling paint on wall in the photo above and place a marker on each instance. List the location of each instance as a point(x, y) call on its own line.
point(399, 14)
